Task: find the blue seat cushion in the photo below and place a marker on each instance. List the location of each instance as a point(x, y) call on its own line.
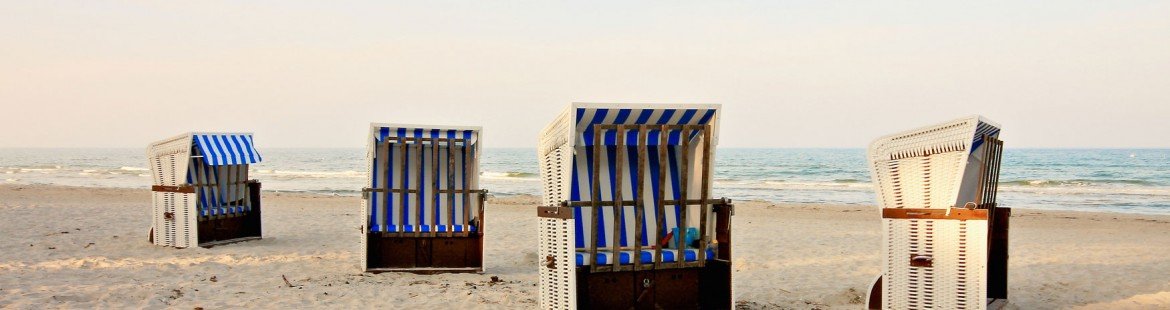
point(647, 257)
point(422, 228)
point(225, 210)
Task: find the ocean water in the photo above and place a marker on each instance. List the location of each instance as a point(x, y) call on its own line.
point(1119, 180)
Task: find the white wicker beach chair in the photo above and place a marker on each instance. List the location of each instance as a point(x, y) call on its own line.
point(945, 240)
point(423, 210)
point(654, 163)
point(201, 192)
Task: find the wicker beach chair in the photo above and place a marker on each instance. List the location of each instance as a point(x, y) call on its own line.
point(423, 209)
point(628, 220)
point(945, 239)
point(201, 192)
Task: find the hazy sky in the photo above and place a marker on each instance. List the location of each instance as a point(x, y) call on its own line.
point(788, 73)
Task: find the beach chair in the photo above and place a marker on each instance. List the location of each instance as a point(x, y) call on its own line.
point(201, 192)
point(423, 209)
point(945, 239)
point(627, 220)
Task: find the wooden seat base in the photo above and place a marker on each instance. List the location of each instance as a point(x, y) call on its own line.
point(424, 254)
point(707, 287)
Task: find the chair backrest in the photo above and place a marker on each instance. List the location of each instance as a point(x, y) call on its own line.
point(932, 167)
point(420, 175)
point(574, 148)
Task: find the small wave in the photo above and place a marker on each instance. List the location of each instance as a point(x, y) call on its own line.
point(1078, 182)
point(798, 185)
point(133, 169)
point(293, 174)
point(508, 175)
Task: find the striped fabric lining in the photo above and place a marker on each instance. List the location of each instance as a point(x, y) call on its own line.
point(587, 116)
point(214, 200)
point(583, 169)
point(227, 149)
point(668, 256)
point(983, 129)
point(386, 212)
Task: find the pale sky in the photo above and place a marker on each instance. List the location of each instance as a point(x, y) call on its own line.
point(788, 73)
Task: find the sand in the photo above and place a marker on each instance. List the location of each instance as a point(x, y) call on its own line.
point(71, 247)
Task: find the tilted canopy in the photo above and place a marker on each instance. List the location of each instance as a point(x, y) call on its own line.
point(226, 149)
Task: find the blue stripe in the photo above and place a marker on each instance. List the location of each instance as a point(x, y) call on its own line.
point(208, 151)
point(580, 115)
point(676, 135)
point(703, 121)
point(598, 117)
point(239, 149)
point(405, 184)
point(435, 178)
point(219, 146)
point(248, 146)
point(644, 116)
point(666, 115)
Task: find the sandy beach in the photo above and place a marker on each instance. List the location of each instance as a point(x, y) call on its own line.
point(74, 247)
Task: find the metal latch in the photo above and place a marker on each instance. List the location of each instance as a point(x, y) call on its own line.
point(921, 261)
point(550, 262)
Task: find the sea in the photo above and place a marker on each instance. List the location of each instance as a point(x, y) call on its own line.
point(1115, 180)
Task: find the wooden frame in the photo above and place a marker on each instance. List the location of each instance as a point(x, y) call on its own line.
point(679, 284)
point(428, 252)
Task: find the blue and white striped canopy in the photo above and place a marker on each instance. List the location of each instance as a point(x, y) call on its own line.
point(588, 116)
point(402, 132)
point(226, 149)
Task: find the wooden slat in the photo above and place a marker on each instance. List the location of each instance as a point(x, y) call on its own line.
point(228, 171)
point(663, 127)
point(466, 195)
point(405, 185)
point(451, 190)
point(247, 190)
point(481, 221)
point(660, 206)
point(419, 139)
point(434, 196)
point(595, 195)
point(684, 177)
point(704, 194)
point(173, 189)
point(421, 177)
point(564, 213)
point(935, 214)
point(639, 198)
point(617, 195)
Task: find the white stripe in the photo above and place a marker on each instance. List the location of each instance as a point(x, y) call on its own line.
point(235, 154)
